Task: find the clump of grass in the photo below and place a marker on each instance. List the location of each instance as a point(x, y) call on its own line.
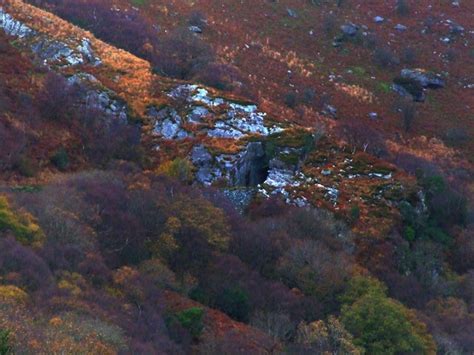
point(22, 225)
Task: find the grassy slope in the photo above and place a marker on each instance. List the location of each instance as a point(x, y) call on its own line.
point(277, 43)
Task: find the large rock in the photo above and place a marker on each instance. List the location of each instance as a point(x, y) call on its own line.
point(207, 172)
point(424, 78)
point(349, 29)
point(417, 95)
point(250, 169)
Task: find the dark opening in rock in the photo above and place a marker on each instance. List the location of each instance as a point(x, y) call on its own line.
point(252, 167)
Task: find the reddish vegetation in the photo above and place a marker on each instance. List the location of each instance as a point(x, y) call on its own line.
point(125, 259)
point(220, 329)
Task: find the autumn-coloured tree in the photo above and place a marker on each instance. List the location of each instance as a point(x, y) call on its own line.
point(360, 136)
point(56, 98)
point(181, 54)
point(325, 337)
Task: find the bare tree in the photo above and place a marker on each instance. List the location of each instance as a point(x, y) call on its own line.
point(407, 111)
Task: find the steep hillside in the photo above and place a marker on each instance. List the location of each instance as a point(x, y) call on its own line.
point(229, 141)
point(236, 177)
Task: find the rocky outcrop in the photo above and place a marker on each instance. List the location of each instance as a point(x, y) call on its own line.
point(49, 51)
point(13, 27)
point(424, 78)
point(251, 167)
point(413, 82)
point(230, 119)
point(409, 89)
point(245, 168)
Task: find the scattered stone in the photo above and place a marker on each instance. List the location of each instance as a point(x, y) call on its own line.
point(455, 28)
point(400, 27)
point(240, 197)
point(349, 29)
point(82, 78)
point(373, 115)
point(378, 19)
point(85, 48)
point(280, 178)
point(291, 13)
point(202, 96)
point(381, 176)
point(330, 110)
point(167, 124)
point(101, 100)
point(197, 114)
point(223, 130)
point(55, 52)
point(195, 29)
point(200, 156)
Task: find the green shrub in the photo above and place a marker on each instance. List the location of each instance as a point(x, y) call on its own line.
point(5, 347)
point(402, 7)
point(384, 87)
point(22, 226)
point(235, 302)
point(192, 320)
point(179, 168)
point(26, 167)
point(380, 324)
point(412, 86)
point(139, 3)
point(355, 213)
point(60, 159)
point(410, 234)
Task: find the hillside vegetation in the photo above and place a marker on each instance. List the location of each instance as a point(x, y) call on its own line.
point(226, 177)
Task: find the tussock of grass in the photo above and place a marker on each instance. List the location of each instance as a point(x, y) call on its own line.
point(22, 225)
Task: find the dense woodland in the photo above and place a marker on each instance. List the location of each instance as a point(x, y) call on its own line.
point(89, 261)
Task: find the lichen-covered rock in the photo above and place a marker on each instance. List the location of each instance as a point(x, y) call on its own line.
point(101, 100)
point(235, 120)
point(207, 172)
point(167, 123)
point(14, 27)
point(85, 48)
point(224, 130)
point(51, 52)
point(280, 178)
point(197, 114)
point(424, 78)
